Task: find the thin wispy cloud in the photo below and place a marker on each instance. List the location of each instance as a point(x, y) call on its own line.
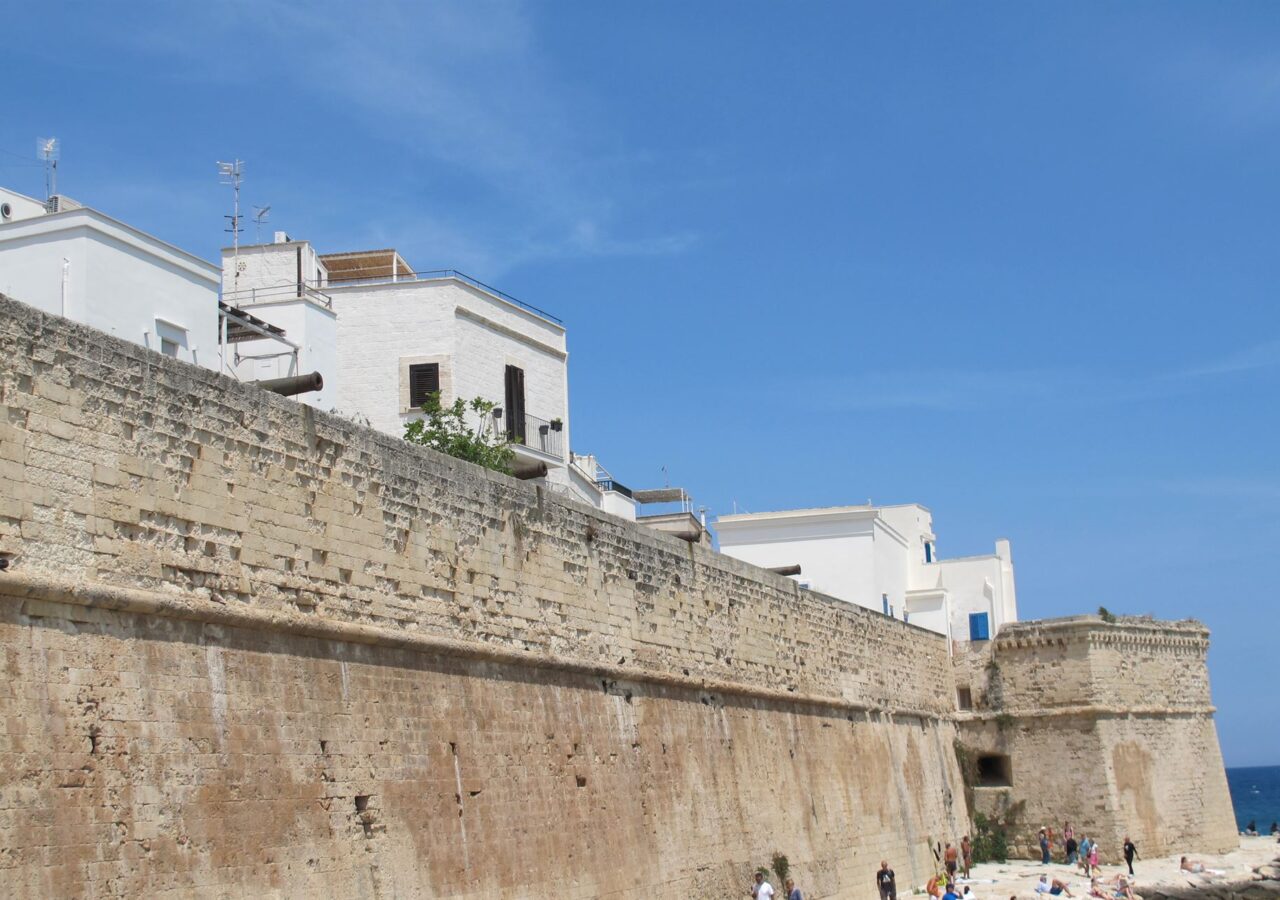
point(457, 91)
point(1225, 488)
point(953, 390)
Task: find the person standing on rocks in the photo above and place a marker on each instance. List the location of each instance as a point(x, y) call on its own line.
point(951, 856)
point(966, 855)
point(885, 882)
point(1130, 853)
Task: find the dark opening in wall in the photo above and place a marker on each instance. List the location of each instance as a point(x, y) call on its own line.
point(964, 698)
point(994, 771)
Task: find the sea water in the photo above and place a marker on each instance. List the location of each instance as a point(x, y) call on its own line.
point(1255, 793)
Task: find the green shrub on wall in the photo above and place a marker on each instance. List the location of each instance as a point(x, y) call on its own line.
point(445, 428)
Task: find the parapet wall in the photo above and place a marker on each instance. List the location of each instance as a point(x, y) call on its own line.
point(252, 648)
point(1107, 725)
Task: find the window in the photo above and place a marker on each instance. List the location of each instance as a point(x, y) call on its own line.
point(515, 404)
point(168, 347)
point(884, 603)
point(979, 627)
point(994, 771)
point(928, 551)
point(424, 380)
point(964, 698)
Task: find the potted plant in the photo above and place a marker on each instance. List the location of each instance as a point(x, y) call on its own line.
point(557, 425)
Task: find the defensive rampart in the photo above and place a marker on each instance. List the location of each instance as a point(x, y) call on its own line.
point(1107, 725)
point(250, 649)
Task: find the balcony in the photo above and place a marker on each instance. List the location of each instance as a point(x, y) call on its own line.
point(535, 434)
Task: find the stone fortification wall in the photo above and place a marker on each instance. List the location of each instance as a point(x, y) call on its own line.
point(251, 648)
point(1107, 725)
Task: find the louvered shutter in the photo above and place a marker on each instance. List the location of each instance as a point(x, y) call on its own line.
point(424, 380)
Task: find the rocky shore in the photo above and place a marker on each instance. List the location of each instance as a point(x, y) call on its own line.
point(1263, 884)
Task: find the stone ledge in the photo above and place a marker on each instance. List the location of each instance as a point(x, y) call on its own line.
point(47, 597)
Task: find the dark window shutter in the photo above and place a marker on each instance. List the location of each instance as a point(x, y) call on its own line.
point(515, 404)
point(424, 380)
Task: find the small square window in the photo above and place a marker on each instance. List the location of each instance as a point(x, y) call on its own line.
point(964, 698)
point(424, 380)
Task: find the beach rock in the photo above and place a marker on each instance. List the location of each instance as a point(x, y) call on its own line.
point(1272, 873)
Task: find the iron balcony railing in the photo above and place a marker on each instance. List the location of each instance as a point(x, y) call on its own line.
point(439, 275)
point(608, 484)
point(537, 434)
point(277, 293)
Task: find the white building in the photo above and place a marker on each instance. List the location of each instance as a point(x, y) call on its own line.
point(276, 283)
point(76, 262)
point(883, 558)
point(391, 336)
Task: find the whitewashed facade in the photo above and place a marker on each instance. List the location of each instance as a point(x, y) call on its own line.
point(275, 282)
point(76, 262)
point(884, 558)
point(394, 333)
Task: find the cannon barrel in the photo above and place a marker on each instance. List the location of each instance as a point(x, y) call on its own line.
point(294, 384)
point(785, 570)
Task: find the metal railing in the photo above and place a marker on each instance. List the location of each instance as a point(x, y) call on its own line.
point(537, 434)
point(439, 275)
point(275, 293)
point(608, 484)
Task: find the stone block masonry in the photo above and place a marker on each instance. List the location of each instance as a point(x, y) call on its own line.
point(1107, 725)
point(252, 649)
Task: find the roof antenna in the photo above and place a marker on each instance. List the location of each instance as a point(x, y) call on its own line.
point(48, 149)
point(259, 216)
point(232, 173)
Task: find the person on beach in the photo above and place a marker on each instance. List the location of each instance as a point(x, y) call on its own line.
point(951, 892)
point(951, 856)
point(934, 887)
point(1044, 847)
point(1068, 841)
point(1072, 847)
point(1093, 856)
point(968, 894)
point(885, 882)
point(966, 855)
point(1085, 846)
point(793, 892)
point(1252, 830)
point(1055, 888)
point(1130, 853)
point(1275, 828)
point(762, 890)
point(1192, 866)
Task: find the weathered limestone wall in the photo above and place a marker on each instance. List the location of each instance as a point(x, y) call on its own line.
point(1108, 726)
point(253, 649)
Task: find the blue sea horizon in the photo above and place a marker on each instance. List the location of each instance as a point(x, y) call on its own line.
point(1255, 794)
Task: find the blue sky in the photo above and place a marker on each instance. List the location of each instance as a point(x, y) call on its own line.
point(1013, 261)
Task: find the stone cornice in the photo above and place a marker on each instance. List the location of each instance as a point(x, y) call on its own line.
point(49, 597)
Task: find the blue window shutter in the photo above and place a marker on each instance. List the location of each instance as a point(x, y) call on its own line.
point(979, 627)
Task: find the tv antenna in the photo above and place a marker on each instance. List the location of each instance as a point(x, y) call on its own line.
point(233, 173)
point(47, 149)
point(260, 214)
